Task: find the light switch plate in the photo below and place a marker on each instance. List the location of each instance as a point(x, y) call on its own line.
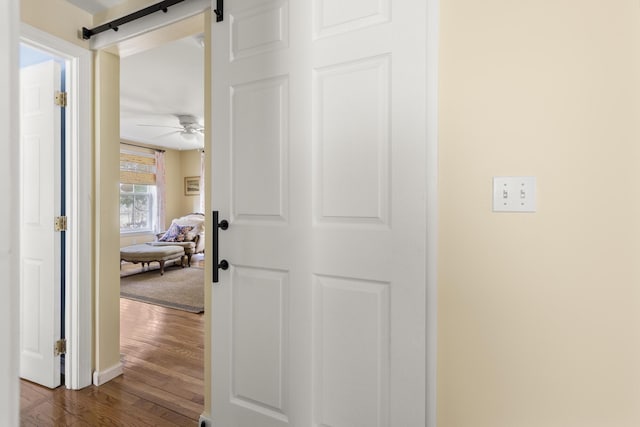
point(514, 193)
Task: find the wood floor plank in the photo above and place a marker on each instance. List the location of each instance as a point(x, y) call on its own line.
point(162, 384)
point(162, 377)
point(163, 398)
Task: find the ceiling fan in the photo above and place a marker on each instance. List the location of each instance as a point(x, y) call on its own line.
point(189, 127)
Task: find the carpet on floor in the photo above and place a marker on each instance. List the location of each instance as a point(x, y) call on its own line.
point(179, 288)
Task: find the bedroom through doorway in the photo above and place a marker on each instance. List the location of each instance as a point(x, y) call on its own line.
point(162, 206)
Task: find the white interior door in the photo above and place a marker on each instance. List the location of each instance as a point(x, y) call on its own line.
point(40, 137)
point(319, 164)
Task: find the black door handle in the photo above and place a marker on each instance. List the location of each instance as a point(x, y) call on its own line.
point(222, 264)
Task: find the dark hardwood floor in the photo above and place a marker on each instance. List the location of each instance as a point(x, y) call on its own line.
point(162, 385)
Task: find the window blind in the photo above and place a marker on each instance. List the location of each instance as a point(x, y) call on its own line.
point(137, 169)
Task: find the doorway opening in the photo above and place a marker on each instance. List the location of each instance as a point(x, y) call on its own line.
point(55, 193)
point(162, 189)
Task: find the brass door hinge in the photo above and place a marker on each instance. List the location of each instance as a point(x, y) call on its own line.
point(60, 223)
point(60, 347)
point(61, 99)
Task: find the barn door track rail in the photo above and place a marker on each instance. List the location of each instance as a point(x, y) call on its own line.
point(113, 25)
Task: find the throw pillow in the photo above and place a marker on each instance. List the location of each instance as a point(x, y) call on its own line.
point(196, 224)
point(176, 233)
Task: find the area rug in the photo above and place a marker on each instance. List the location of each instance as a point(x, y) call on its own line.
point(179, 288)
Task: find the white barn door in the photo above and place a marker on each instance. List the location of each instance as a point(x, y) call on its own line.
point(319, 164)
point(40, 138)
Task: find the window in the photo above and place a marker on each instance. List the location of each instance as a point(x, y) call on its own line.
point(138, 196)
point(137, 207)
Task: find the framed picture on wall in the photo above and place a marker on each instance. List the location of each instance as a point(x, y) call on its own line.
point(191, 185)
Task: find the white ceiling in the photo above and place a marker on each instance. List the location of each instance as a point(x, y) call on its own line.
point(156, 86)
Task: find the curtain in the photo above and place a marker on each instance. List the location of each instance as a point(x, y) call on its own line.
point(160, 190)
point(202, 189)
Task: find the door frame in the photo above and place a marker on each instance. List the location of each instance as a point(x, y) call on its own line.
point(106, 42)
point(9, 220)
point(431, 123)
point(78, 301)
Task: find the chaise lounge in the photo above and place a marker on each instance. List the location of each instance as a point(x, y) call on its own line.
point(184, 238)
point(147, 254)
point(187, 232)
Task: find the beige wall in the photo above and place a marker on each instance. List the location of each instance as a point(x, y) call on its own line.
point(539, 314)
point(178, 165)
point(122, 9)
point(57, 17)
point(190, 166)
point(107, 190)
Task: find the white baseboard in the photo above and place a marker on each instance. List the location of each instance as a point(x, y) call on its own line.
point(205, 421)
point(107, 375)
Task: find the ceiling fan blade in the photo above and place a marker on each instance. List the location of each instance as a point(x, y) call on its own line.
point(164, 135)
point(198, 130)
point(161, 126)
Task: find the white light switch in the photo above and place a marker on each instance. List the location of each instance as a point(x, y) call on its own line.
point(514, 193)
